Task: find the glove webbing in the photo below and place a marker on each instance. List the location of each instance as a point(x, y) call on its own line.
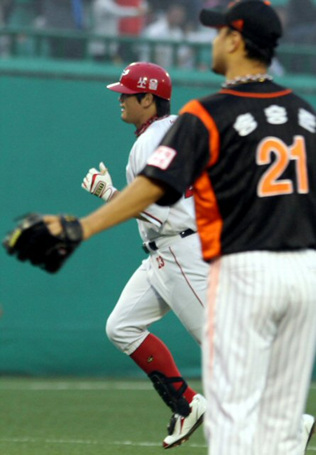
point(172, 397)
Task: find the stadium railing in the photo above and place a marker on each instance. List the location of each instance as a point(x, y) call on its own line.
point(35, 43)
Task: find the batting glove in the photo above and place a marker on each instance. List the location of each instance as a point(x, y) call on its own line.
point(99, 183)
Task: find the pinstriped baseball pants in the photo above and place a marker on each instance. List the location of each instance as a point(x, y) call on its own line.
point(258, 351)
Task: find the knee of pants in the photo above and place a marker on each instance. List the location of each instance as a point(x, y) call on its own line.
point(112, 331)
point(125, 337)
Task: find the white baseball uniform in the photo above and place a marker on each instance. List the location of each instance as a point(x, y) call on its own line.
point(173, 276)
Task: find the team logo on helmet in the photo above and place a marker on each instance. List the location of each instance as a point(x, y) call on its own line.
point(124, 73)
point(153, 84)
point(142, 82)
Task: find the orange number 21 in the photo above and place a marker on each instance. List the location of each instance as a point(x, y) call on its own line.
point(270, 183)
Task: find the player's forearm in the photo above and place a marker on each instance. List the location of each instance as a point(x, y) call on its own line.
point(139, 216)
point(128, 204)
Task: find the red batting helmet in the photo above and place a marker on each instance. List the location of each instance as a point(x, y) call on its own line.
point(143, 77)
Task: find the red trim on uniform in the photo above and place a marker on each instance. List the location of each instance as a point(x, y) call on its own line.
point(256, 95)
point(144, 127)
point(185, 277)
point(151, 216)
point(210, 316)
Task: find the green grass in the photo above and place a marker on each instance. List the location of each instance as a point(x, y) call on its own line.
point(90, 417)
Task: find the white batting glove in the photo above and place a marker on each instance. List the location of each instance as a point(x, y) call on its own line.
point(99, 183)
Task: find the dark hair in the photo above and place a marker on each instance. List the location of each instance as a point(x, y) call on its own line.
point(254, 52)
point(162, 105)
point(263, 55)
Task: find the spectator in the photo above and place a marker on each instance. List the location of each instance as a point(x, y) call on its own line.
point(170, 26)
point(131, 26)
point(64, 15)
point(105, 17)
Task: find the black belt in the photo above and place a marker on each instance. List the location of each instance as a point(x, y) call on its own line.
point(152, 246)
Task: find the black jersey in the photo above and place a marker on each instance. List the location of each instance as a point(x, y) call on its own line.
point(250, 153)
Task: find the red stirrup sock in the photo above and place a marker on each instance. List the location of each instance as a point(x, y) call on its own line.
point(153, 355)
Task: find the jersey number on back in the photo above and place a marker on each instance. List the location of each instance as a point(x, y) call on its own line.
point(275, 152)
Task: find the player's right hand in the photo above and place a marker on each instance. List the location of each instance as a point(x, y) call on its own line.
point(99, 183)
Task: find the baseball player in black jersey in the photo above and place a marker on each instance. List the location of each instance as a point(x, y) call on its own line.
point(250, 153)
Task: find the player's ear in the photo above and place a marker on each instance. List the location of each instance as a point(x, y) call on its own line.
point(234, 40)
point(148, 100)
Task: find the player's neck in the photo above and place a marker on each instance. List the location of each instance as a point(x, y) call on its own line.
point(142, 128)
point(245, 69)
point(259, 77)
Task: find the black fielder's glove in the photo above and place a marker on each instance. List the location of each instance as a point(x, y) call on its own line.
point(32, 241)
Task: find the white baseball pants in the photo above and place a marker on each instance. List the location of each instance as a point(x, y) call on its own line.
point(172, 278)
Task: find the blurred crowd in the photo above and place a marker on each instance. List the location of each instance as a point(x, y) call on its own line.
point(171, 20)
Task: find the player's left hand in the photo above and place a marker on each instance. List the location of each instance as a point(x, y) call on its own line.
point(45, 241)
point(53, 223)
point(99, 183)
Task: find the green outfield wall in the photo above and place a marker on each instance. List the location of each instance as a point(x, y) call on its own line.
point(56, 121)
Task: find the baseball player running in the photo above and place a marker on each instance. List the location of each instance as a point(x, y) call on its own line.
point(173, 277)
